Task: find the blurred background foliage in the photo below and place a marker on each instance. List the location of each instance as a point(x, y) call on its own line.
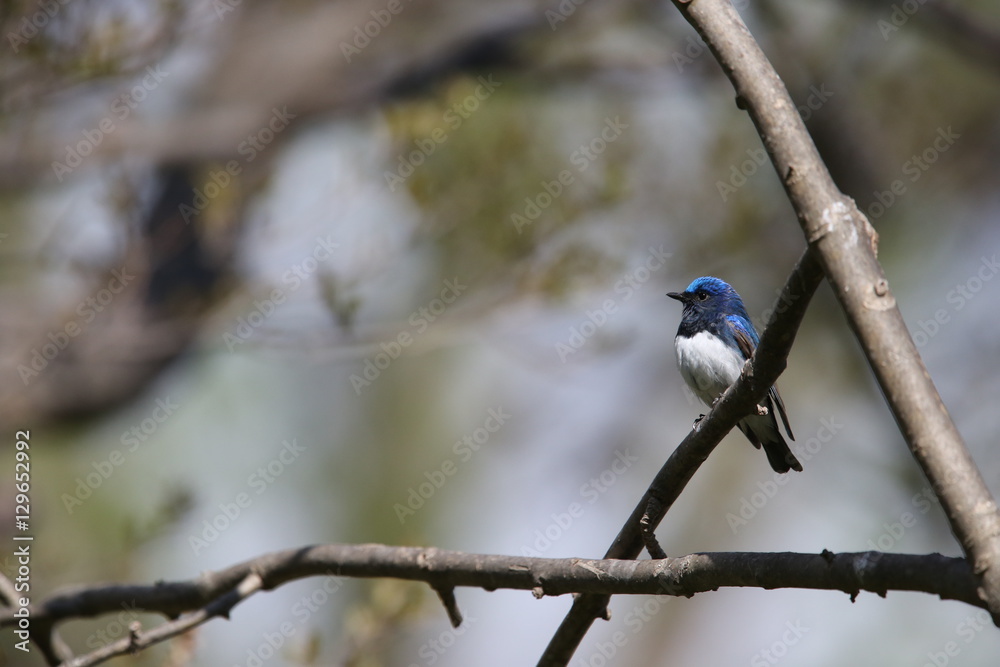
point(300, 251)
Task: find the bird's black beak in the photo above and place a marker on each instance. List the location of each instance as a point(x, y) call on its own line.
point(677, 295)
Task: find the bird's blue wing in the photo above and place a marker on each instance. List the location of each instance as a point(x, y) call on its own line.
point(747, 340)
point(744, 334)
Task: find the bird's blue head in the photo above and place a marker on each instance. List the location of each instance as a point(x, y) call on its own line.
point(707, 302)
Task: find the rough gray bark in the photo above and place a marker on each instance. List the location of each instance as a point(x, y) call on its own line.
point(214, 594)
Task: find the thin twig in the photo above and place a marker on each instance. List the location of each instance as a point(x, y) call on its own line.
point(137, 640)
point(447, 596)
point(647, 527)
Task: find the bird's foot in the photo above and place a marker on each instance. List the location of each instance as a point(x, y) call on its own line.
point(697, 422)
point(654, 512)
point(762, 411)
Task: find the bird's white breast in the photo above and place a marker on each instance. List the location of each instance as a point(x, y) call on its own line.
point(707, 364)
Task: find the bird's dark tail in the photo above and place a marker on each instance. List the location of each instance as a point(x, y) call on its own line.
point(763, 430)
point(780, 456)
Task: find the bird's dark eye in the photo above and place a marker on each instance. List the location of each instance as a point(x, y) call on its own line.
point(701, 296)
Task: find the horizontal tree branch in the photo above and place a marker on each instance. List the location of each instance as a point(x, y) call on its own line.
point(192, 602)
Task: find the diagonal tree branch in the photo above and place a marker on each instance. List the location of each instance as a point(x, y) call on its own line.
point(847, 247)
point(214, 594)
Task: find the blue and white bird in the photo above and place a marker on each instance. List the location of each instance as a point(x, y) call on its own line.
point(713, 342)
